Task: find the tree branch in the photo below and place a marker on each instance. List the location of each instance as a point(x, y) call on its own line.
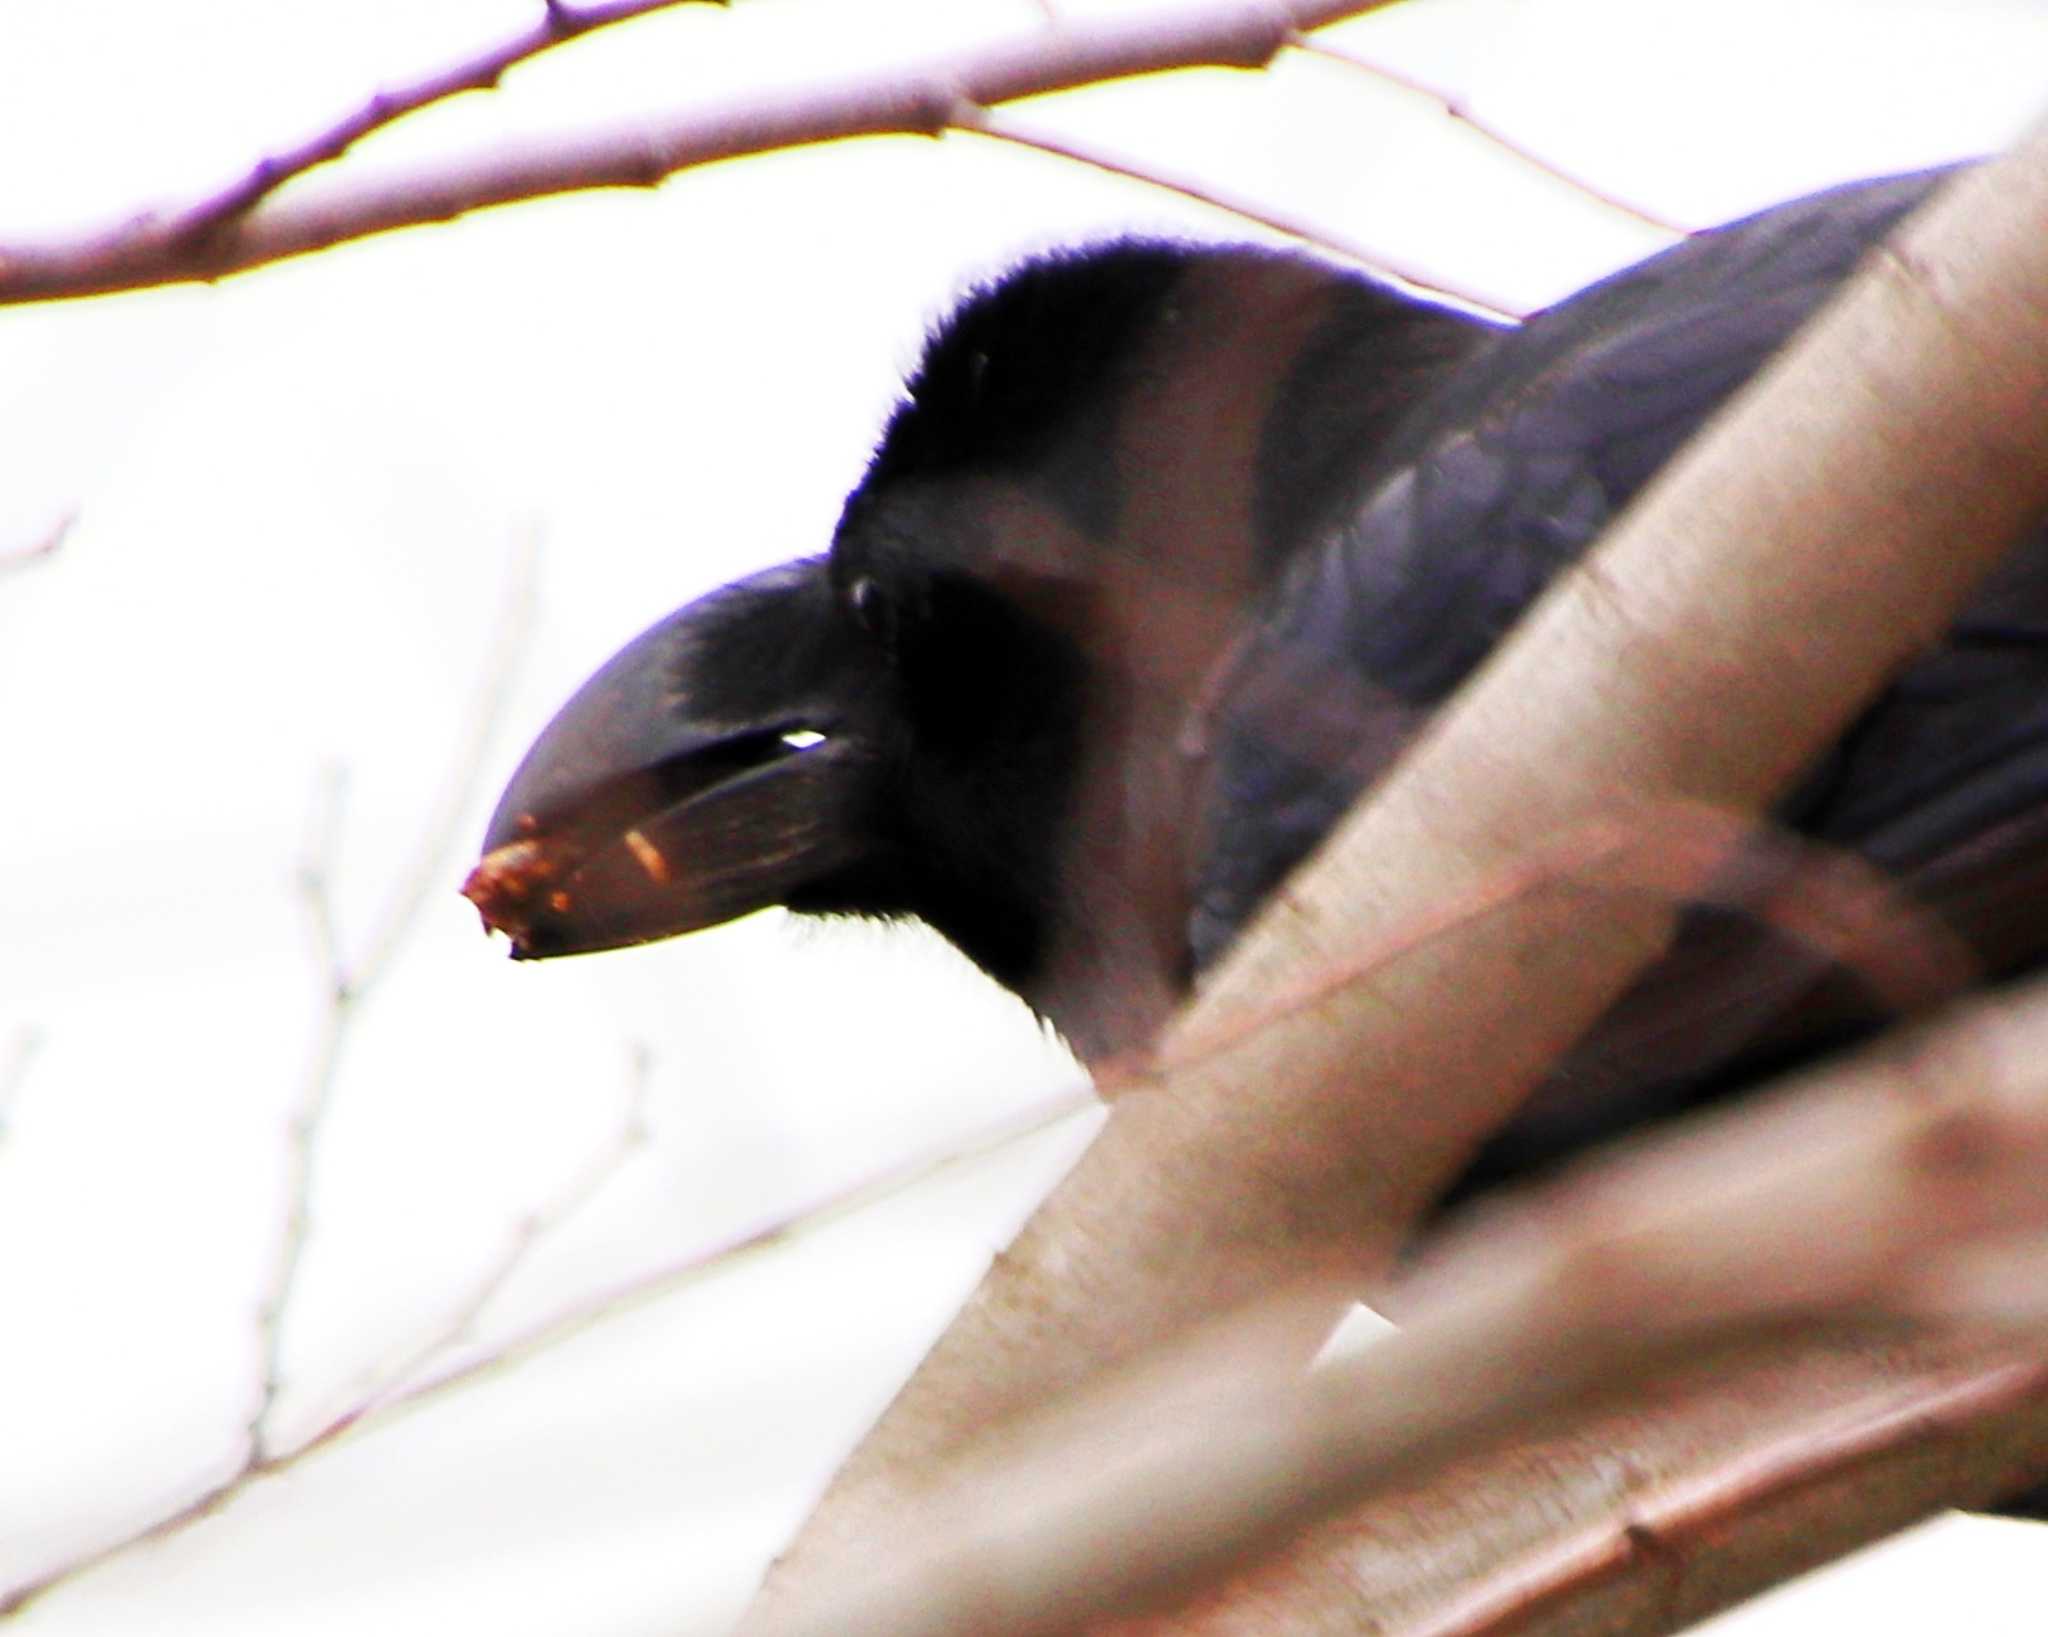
point(1456, 108)
point(1865, 1187)
point(244, 227)
point(1672, 1496)
point(969, 118)
point(558, 24)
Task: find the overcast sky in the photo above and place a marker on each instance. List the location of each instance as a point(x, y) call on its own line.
point(301, 499)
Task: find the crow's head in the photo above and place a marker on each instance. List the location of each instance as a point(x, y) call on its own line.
point(970, 709)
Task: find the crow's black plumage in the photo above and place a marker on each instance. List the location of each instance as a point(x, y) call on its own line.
point(1165, 554)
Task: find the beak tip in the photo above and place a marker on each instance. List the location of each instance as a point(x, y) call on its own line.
point(506, 888)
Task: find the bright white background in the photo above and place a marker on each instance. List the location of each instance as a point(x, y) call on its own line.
point(298, 501)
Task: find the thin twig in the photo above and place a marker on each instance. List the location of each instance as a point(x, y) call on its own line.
point(314, 881)
point(692, 1269)
point(1387, 264)
point(1457, 108)
point(395, 1398)
point(557, 24)
point(262, 1460)
point(443, 835)
point(346, 983)
point(917, 100)
point(40, 550)
point(527, 1233)
point(1819, 897)
point(22, 1051)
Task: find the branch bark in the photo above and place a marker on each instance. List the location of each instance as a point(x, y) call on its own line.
point(245, 226)
point(557, 24)
point(1866, 1187)
point(1646, 1508)
point(1825, 527)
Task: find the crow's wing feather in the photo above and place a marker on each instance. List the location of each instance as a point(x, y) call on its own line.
point(1504, 477)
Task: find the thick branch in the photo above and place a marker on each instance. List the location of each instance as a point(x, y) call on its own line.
point(1819, 533)
point(1648, 1508)
point(244, 227)
point(1866, 1186)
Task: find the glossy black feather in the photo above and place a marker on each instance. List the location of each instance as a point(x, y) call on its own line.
point(1496, 483)
point(1026, 368)
point(1506, 475)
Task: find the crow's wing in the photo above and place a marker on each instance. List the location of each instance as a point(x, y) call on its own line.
point(1504, 477)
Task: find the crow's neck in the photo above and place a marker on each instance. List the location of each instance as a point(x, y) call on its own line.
point(1251, 429)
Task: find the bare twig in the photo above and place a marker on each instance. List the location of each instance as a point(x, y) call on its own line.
point(1457, 108)
point(23, 1049)
point(782, 1230)
point(394, 1395)
point(460, 1326)
point(40, 550)
point(1389, 264)
point(262, 1458)
point(1823, 898)
point(442, 836)
point(915, 101)
point(557, 24)
point(339, 993)
point(346, 983)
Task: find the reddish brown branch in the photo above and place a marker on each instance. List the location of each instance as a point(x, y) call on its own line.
point(245, 227)
point(1825, 899)
point(1668, 1499)
point(557, 24)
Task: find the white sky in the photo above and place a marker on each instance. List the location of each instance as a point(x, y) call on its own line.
point(298, 498)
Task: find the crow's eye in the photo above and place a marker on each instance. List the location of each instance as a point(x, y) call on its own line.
point(870, 608)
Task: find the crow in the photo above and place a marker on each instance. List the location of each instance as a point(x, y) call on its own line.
point(1165, 554)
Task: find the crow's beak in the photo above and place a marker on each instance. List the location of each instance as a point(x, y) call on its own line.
point(714, 765)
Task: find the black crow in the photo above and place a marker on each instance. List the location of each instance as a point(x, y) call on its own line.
point(1164, 555)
